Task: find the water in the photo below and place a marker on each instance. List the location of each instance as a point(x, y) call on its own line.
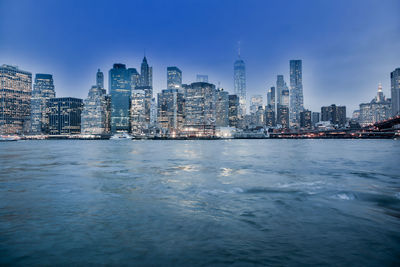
point(190, 203)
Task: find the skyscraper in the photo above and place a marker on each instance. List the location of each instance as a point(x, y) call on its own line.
point(378, 109)
point(395, 91)
point(174, 78)
point(43, 90)
point(170, 110)
point(100, 79)
point(138, 121)
point(15, 99)
point(296, 92)
point(65, 115)
point(233, 110)
point(305, 119)
point(146, 74)
point(96, 112)
point(120, 91)
point(280, 86)
point(222, 108)
point(200, 105)
point(239, 77)
point(271, 98)
point(134, 78)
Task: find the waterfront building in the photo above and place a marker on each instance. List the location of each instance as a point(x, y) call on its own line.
point(200, 107)
point(258, 117)
point(120, 92)
point(395, 91)
point(64, 115)
point(315, 118)
point(99, 79)
point(153, 112)
point(146, 74)
point(239, 77)
point(171, 105)
point(335, 114)
point(222, 108)
point(138, 119)
point(43, 90)
point(305, 119)
point(202, 78)
point(283, 116)
point(96, 112)
point(296, 92)
point(233, 110)
point(174, 78)
point(15, 99)
point(148, 97)
point(378, 109)
point(269, 116)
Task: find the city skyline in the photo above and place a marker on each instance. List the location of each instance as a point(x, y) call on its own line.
point(352, 65)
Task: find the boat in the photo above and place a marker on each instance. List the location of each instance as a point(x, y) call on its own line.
point(121, 136)
point(8, 138)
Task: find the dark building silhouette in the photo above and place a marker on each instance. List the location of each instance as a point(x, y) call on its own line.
point(334, 114)
point(64, 115)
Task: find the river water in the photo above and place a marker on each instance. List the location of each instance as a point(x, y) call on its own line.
point(196, 203)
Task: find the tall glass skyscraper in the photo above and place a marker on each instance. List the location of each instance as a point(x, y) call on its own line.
point(120, 91)
point(15, 99)
point(239, 78)
point(174, 78)
point(146, 74)
point(296, 92)
point(100, 79)
point(395, 91)
point(43, 90)
point(95, 115)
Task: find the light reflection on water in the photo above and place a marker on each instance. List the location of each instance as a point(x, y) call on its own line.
point(266, 202)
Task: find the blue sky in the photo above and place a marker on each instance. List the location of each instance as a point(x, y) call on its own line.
point(347, 47)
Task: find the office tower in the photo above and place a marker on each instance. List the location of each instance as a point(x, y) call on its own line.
point(96, 111)
point(174, 78)
point(315, 118)
point(134, 78)
point(43, 90)
point(282, 117)
point(239, 77)
point(202, 78)
point(395, 91)
point(153, 112)
point(258, 117)
point(335, 114)
point(138, 121)
point(222, 108)
point(296, 92)
point(271, 98)
point(200, 105)
point(146, 74)
point(379, 109)
point(64, 115)
point(305, 119)
point(269, 117)
point(285, 98)
point(100, 79)
point(148, 97)
point(171, 111)
point(120, 91)
point(256, 101)
point(233, 110)
point(280, 86)
point(15, 99)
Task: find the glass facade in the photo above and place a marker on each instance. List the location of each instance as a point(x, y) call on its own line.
point(233, 110)
point(200, 105)
point(170, 110)
point(395, 91)
point(96, 112)
point(64, 115)
point(138, 113)
point(15, 100)
point(239, 78)
point(222, 108)
point(296, 92)
point(174, 78)
point(43, 90)
point(379, 109)
point(120, 91)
